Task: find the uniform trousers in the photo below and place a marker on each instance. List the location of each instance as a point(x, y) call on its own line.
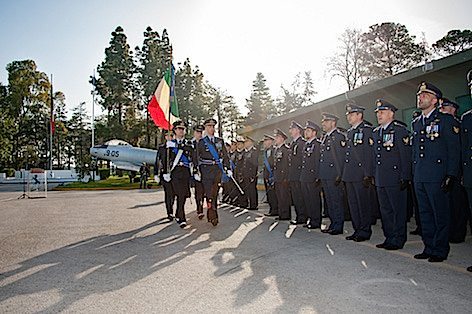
point(393, 214)
point(250, 189)
point(211, 177)
point(297, 198)
point(199, 196)
point(283, 199)
point(169, 197)
point(335, 201)
point(271, 198)
point(433, 204)
point(361, 216)
point(312, 198)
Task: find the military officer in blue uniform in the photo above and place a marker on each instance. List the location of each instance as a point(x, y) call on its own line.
point(197, 182)
point(392, 174)
point(214, 166)
point(268, 174)
point(332, 153)
point(294, 171)
point(250, 165)
point(309, 177)
point(436, 163)
point(240, 199)
point(357, 173)
point(466, 144)
point(458, 196)
point(281, 185)
point(181, 167)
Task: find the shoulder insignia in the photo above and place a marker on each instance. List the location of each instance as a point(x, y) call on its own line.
point(456, 129)
point(371, 141)
point(406, 140)
point(343, 143)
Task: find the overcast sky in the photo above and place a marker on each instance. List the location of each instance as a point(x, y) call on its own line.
point(229, 40)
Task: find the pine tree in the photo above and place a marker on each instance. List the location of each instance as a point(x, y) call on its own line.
point(390, 49)
point(260, 103)
point(453, 42)
point(116, 76)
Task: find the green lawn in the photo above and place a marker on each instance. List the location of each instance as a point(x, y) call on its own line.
point(112, 183)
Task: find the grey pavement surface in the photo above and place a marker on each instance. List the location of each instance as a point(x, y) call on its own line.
point(114, 252)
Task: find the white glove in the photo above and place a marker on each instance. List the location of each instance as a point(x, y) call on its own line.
point(157, 180)
point(166, 177)
point(171, 144)
point(229, 173)
point(197, 177)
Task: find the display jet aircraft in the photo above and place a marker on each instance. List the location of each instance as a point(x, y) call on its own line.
point(123, 155)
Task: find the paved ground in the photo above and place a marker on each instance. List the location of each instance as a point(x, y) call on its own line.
point(112, 251)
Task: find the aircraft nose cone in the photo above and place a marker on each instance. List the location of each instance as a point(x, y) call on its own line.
point(94, 151)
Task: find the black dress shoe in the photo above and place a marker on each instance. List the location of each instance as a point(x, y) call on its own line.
point(436, 259)
point(360, 239)
point(415, 232)
point(380, 246)
point(422, 256)
point(270, 214)
point(469, 268)
point(310, 226)
point(391, 247)
point(351, 237)
point(170, 217)
point(335, 232)
point(296, 222)
point(326, 230)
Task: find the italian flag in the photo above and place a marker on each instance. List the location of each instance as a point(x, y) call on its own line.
point(163, 105)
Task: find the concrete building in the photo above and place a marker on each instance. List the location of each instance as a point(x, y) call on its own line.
point(449, 74)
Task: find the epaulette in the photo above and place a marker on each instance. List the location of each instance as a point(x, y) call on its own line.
point(415, 119)
point(400, 123)
point(466, 114)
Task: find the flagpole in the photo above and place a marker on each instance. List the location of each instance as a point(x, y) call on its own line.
point(170, 108)
point(51, 127)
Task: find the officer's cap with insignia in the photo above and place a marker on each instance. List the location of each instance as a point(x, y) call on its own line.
point(296, 125)
point(199, 128)
point(179, 125)
point(210, 121)
point(268, 137)
point(281, 133)
point(312, 125)
point(384, 105)
point(444, 102)
point(426, 87)
point(353, 107)
point(329, 117)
